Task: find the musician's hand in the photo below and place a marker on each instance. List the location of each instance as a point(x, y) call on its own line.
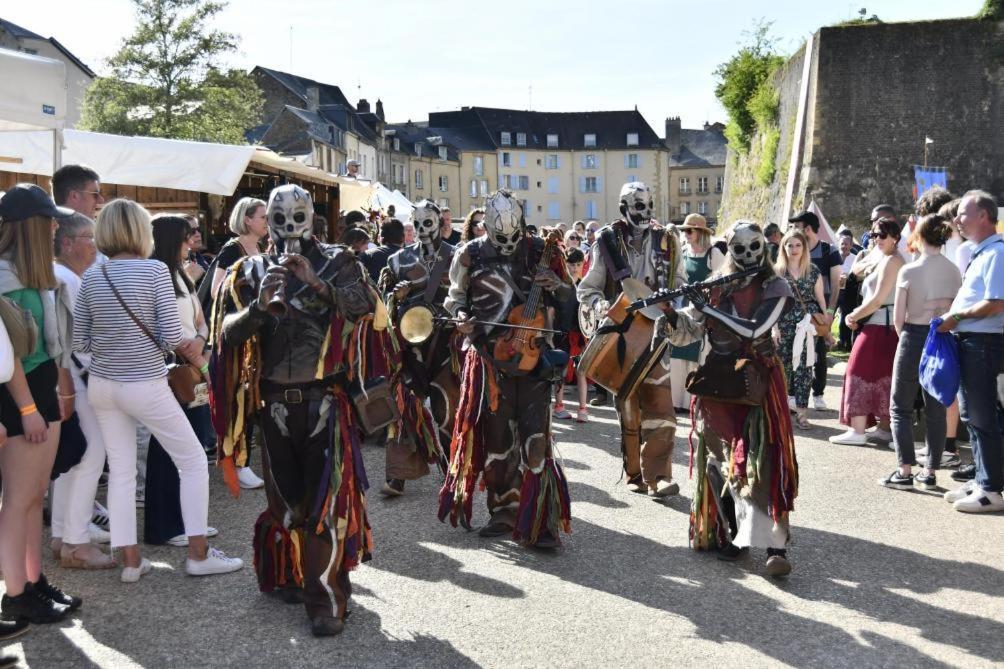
point(547, 279)
point(696, 297)
point(301, 269)
point(465, 323)
point(402, 289)
point(274, 282)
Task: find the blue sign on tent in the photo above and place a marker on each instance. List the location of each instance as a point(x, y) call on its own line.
point(928, 177)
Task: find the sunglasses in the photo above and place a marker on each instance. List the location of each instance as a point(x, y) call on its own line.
point(880, 235)
point(575, 238)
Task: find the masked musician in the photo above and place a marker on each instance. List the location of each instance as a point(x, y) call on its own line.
point(746, 445)
point(415, 282)
point(633, 247)
point(279, 336)
point(503, 422)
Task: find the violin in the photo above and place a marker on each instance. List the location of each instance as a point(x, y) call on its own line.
point(522, 342)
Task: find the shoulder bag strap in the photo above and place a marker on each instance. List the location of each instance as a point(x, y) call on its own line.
point(137, 321)
point(436, 277)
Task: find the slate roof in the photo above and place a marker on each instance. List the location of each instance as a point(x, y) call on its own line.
point(455, 140)
point(610, 127)
point(23, 33)
point(700, 148)
point(328, 94)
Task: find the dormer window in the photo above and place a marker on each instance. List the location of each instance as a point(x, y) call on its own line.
point(632, 139)
point(589, 140)
point(418, 150)
point(520, 139)
point(505, 138)
point(552, 141)
point(397, 144)
point(442, 153)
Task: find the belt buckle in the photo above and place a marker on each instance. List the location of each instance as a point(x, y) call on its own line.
point(292, 396)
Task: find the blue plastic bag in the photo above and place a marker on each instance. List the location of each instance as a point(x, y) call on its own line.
point(939, 365)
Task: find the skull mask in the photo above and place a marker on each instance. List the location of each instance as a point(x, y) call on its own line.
point(428, 221)
point(290, 217)
point(503, 222)
point(747, 245)
point(636, 205)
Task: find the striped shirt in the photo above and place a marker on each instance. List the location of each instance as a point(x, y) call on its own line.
point(119, 350)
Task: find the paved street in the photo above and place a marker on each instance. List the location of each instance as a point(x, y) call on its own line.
point(882, 578)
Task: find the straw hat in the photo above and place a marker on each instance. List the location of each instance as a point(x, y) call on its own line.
point(695, 222)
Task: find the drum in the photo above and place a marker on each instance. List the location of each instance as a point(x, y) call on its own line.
point(621, 352)
point(416, 322)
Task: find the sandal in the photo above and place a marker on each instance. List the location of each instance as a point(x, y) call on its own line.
point(803, 422)
point(68, 558)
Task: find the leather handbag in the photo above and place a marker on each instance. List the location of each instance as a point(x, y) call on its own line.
point(21, 327)
point(818, 320)
point(731, 379)
point(181, 377)
point(375, 404)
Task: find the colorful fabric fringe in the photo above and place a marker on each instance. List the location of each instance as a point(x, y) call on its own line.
point(346, 502)
point(544, 504)
point(760, 439)
point(277, 559)
point(479, 393)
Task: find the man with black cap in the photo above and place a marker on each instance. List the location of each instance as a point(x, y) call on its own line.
point(827, 260)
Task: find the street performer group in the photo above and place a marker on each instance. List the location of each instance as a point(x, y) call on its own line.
point(449, 359)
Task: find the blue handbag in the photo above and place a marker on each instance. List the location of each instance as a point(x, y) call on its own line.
point(939, 365)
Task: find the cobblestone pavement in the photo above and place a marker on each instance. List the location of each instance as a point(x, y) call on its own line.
point(882, 578)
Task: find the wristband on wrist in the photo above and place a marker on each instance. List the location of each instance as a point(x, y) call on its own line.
point(28, 410)
point(832, 311)
point(67, 397)
point(205, 368)
point(957, 317)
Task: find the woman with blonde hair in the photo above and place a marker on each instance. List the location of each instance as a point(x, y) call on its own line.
point(795, 333)
point(31, 407)
point(127, 318)
point(249, 223)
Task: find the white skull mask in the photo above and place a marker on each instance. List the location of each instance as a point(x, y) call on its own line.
point(636, 204)
point(428, 221)
point(290, 216)
point(747, 246)
point(503, 222)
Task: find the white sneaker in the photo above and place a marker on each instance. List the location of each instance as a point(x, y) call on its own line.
point(216, 562)
point(879, 435)
point(963, 491)
point(791, 402)
point(248, 479)
point(818, 403)
point(100, 516)
point(98, 535)
point(850, 438)
point(182, 539)
point(980, 501)
point(133, 574)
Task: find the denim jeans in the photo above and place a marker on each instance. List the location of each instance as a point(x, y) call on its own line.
point(981, 357)
point(905, 383)
point(819, 370)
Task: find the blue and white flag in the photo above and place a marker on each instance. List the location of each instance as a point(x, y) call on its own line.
point(928, 177)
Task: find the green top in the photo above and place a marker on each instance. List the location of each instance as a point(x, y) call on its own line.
point(31, 299)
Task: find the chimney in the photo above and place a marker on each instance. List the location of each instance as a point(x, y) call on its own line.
point(313, 98)
point(673, 134)
point(379, 110)
point(363, 107)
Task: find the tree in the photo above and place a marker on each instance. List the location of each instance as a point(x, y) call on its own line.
point(166, 79)
point(992, 10)
point(739, 79)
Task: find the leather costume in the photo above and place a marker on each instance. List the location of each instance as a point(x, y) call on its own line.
point(285, 375)
point(428, 368)
point(509, 437)
point(647, 418)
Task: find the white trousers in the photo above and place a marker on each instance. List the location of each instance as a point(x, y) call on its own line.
point(74, 491)
point(119, 408)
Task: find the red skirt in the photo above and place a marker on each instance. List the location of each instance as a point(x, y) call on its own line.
point(868, 379)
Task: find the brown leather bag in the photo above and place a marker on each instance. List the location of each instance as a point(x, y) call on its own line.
point(818, 320)
point(731, 379)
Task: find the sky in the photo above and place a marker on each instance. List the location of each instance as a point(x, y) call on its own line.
point(546, 55)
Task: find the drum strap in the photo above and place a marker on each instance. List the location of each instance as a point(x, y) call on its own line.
point(435, 277)
point(620, 329)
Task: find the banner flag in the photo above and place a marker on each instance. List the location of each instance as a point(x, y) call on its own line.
point(928, 177)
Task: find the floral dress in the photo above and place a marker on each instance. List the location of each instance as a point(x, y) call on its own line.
point(800, 379)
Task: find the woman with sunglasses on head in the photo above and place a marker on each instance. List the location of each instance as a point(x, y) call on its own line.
point(700, 260)
point(868, 377)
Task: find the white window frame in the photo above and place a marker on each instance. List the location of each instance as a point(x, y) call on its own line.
point(702, 207)
point(474, 188)
point(506, 159)
point(397, 144)
point(592, 185)
point(551, 161)
point(702, 184)
point(552, 141)
point(479, 166)
point(684, 208)
point(632, 139)
point(523, 182)
point(589, 140)
point(685, 185)
point(632, 161)
point(443, 153)
point(520, 139)
point(484, 188)
point(505, 138)
point(444, 183)
point(719, 183)
point(591, 162)
point(419, 179)
point(591, 209)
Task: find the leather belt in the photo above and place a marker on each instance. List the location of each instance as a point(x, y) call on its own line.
point(303, 392)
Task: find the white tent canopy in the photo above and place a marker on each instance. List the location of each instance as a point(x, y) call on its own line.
point(32, 92)
point(133, 161)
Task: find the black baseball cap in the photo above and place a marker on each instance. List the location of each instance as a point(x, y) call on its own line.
point(806, 217)
point(26, 200)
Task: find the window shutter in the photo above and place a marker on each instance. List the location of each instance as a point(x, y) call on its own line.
point(599, 184)
point(627, 162)
point(584, 163)
point(582, 184)
point(522, 159)
point(559, 162)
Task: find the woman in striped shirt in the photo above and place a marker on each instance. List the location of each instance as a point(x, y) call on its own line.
point(128, 382)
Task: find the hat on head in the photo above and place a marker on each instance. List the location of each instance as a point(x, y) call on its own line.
point(806, 217)
point(27, 200)
point(353, 162)
point(694, 222)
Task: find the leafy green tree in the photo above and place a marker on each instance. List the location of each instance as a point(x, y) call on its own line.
point(992, 10)
point(167, 79)
point(739, 79)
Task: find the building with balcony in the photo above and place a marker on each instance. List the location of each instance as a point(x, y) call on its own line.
point(696, 170)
